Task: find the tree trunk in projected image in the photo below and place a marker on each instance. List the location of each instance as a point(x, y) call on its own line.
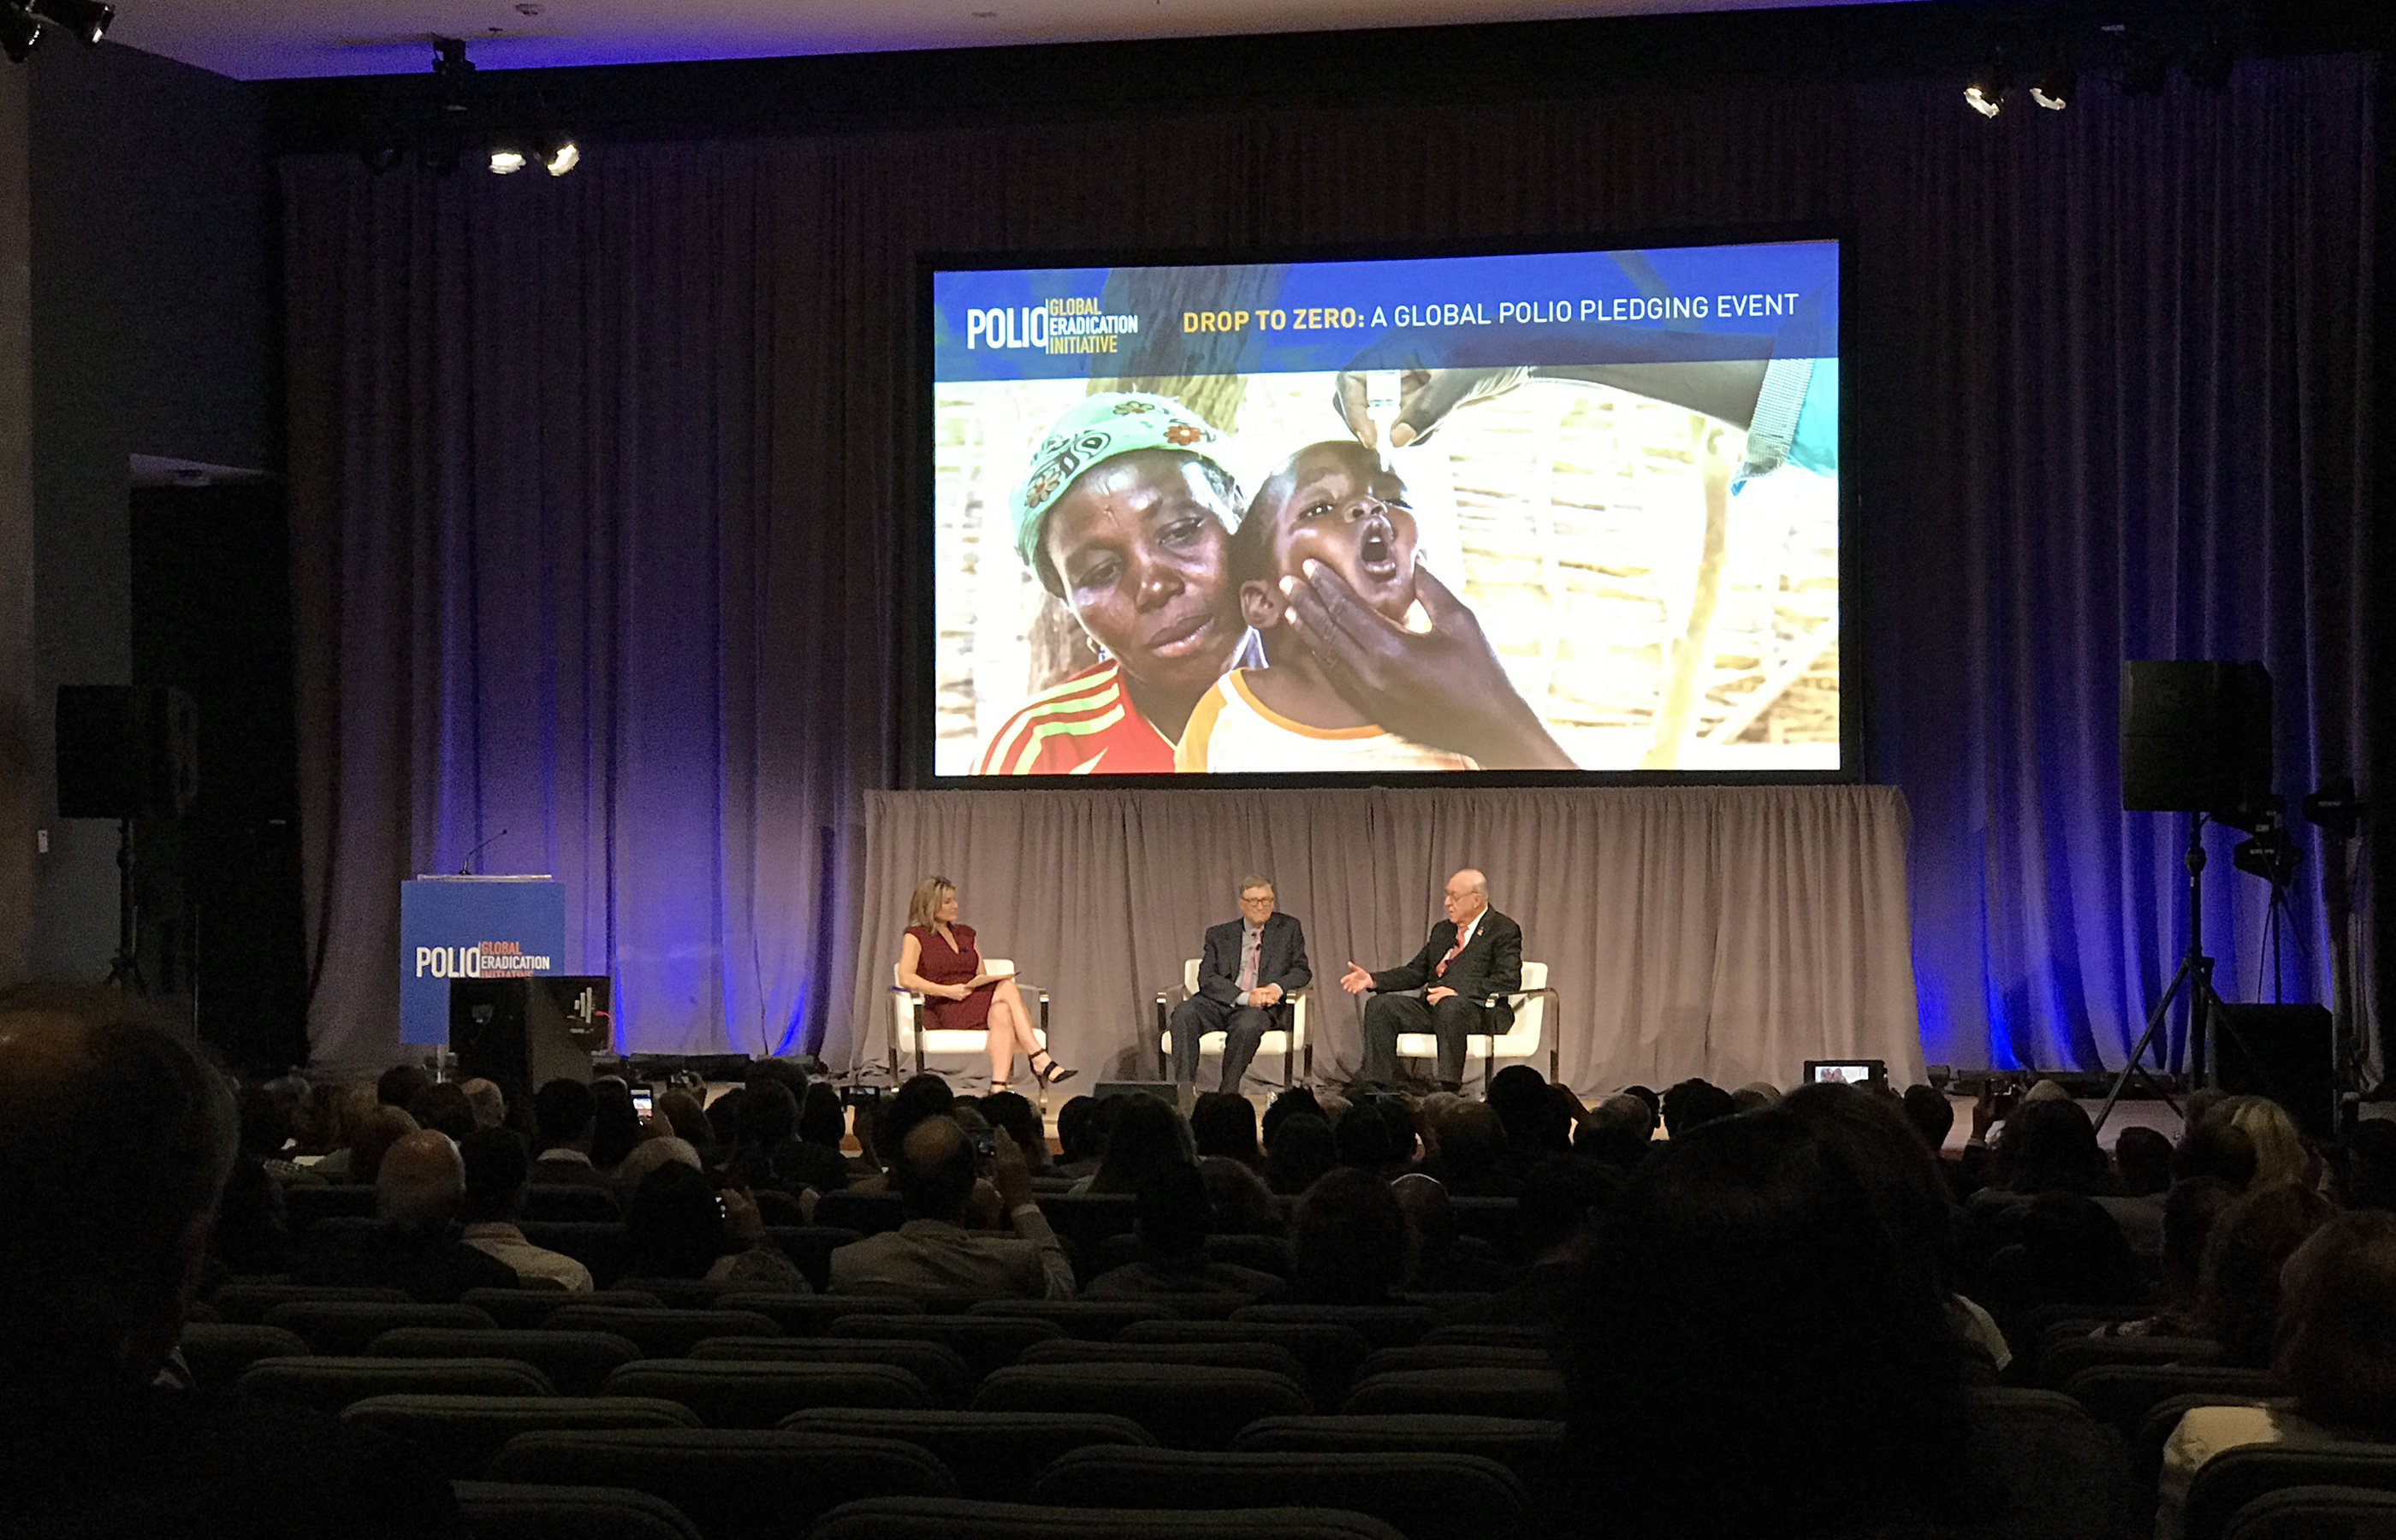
point(1692, 654)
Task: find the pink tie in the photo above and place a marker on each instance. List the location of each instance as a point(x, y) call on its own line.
point(1248, 962)
point(1441, 971)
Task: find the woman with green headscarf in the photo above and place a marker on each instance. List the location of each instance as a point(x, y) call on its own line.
point(1125, 514)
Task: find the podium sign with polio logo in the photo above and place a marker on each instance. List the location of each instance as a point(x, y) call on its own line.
point(472, 928)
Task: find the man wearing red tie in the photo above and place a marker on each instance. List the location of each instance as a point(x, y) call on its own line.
point(1465, 973)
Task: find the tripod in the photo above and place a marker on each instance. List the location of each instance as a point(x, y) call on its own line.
point(2196, 973)
point(125, 968)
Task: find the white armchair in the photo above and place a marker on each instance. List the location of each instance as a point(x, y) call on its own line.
point(907, 1021)
point(1291, 1046)
point(1520, 1041)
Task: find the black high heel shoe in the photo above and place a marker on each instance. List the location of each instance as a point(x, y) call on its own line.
point(1054, 1071)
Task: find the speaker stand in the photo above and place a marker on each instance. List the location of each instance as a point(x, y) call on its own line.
point(2196, 973)
point(125, 968)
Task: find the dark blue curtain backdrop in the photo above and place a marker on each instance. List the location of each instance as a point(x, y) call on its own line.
point(600, 486)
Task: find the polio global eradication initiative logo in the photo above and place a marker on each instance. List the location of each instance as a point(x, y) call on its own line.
point(481, 959)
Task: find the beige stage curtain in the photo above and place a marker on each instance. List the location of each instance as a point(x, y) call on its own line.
point(1732, 933)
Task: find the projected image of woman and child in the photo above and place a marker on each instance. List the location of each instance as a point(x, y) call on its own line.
point(1162, 619)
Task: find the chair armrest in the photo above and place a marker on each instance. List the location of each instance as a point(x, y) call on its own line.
point(1519, 997)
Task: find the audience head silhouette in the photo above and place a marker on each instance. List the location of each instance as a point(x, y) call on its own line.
point(1350, 1245)
point(1751, 1322)
point(117, 1139)
point(936, 1169)
point(422, 1183)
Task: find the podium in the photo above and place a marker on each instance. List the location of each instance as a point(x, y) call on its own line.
point(478, 928)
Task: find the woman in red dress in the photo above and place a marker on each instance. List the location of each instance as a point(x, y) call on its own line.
point(939, 959)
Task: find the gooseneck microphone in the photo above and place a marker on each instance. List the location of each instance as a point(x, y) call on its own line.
point(466, 868)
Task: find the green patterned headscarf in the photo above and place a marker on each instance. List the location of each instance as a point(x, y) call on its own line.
point(1099, 428)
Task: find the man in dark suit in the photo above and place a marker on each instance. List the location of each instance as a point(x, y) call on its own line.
point(1250, 968)
point(1473, 956)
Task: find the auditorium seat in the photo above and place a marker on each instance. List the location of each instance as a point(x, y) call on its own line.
point(2039, 1320)
point(461, 1433)
point(1520, 1041)
point(664, 1332)
point(940, 1367)
point(2065, 1358)
point(1330, 1353)
point(937, 1519)
point(330, 1384)
point(351, 1325)
point(1200, 1306)
point(1383, 1325)
point(247, 1304)
point(217, 1351)
point(992, 1454)
point(1430, 1495)
point(1534, 1451)
point(604, 1249)
point(565, 1203)
point(497, 1510)
point(777, 1207)
point(1292, 1047)
point(1484, 1333)
point(2230, 1481)
point(748, 1393)
point(530, 1308)
point(810, 1247)
point(2315, 1513)
point(2052, 1471)
point(683, 1293)
point(1084, 1220)
point(866, 1213)
point(2145, 1450)
point(812, 1315)
point(576, 1363)
point(305, 1202)
point(985, 1342)
point(1405, 1361)
point(1090, 1320)
point(733, 1483)
point(1534, 1393)
point(1452, 1307)
point(1268, 1253)
point(1496, 1222)
point(2120, 1395)
point(1271, 1356)
point(1185, 1405)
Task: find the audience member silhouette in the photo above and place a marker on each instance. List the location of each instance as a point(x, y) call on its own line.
point(1237, 1199)
point(117, 1139)
point(2334, 1348)
point(1147, 1135)
point(1752, 1323)
point(1225, 1124)
point(680, 1224)
point(1302, 1150)
point(1078, 1146)
point(1694, 1103)
point(1444, 1263)
point(563, 1111)
point(933, 1253)
point(2238, 1283)
point(498, 1178)
point(1351, 1244)
point(1169, 1215)
point(414, 1245)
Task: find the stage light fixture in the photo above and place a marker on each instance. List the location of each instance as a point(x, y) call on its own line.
point(560, 155)
point(2057, 88)
point(19, 34)
point(1986, 93)
point(506, 160)
point(87, 20)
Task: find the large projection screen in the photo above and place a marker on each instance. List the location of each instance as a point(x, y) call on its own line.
point(1533, 515)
